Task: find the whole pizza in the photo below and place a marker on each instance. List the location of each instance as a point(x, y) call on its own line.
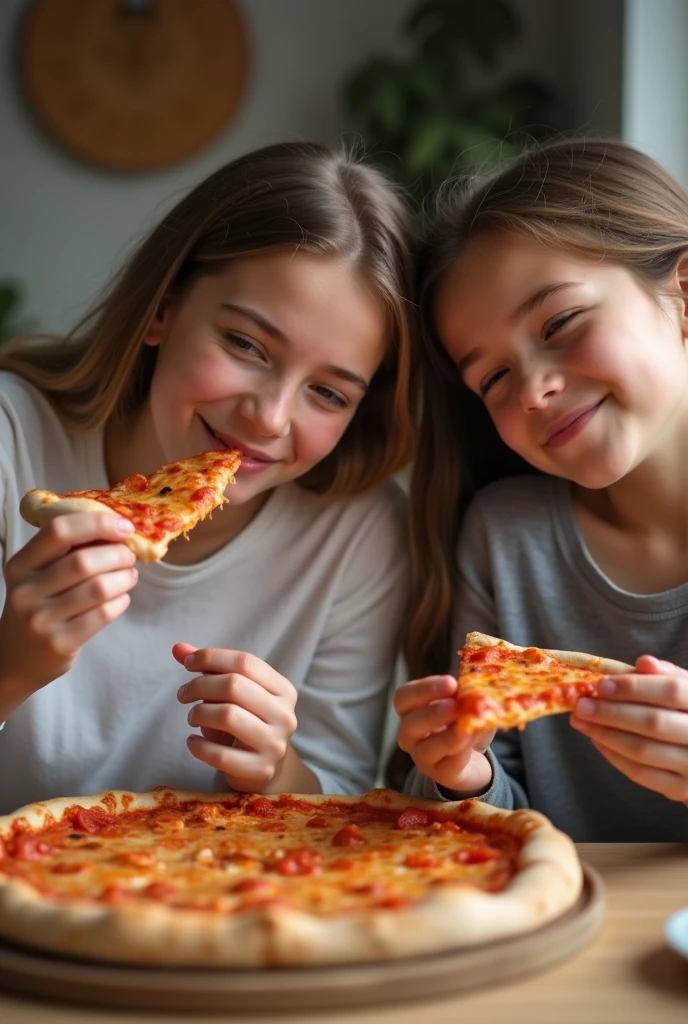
point(182, 878)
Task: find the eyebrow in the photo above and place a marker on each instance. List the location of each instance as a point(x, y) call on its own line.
point(538, 297)
point(269, 328)
point(527, 306)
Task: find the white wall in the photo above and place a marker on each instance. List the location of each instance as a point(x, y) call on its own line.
point(65, 226)
point(655, 81)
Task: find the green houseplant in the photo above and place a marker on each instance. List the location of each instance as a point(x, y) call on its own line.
point(10, 301)
point(418, 117)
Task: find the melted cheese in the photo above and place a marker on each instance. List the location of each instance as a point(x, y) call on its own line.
point(502, 688)
point(174, 498)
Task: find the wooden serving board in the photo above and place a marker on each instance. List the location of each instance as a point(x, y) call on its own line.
point(308, 988)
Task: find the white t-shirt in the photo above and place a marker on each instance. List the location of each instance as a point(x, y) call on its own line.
point(316, 588)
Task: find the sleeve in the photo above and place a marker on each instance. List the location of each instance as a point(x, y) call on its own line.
point(7, 493)
point(343, 701)
point(475, 609)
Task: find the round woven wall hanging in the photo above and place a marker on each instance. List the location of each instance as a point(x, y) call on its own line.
point(133, 85)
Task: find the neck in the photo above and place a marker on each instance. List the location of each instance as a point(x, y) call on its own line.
point(651, 499)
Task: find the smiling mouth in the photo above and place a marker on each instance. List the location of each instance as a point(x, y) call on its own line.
point(571, 428)
point(247, 453)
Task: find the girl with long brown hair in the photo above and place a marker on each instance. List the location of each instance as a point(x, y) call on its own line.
point(550, 491)
point(268, 311)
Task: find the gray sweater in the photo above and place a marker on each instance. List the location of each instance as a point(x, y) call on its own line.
point(526, 576)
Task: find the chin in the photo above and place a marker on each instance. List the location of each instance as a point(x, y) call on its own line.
point(595, 478)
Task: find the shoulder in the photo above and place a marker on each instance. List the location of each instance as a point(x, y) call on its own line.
point(35, 448)
point(23, 404)
point(517, 502)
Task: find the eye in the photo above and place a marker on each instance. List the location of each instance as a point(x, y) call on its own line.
point(490, 381)
point(558, 322)
point(241, 342)
point(331, 397)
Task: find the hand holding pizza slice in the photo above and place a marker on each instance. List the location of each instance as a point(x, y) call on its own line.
point(73, 578)
point(428, 712)
point(161, 506)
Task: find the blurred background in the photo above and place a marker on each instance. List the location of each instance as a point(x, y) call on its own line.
point(111, 109)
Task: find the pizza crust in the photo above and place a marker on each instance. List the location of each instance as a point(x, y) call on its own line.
point(38, 507)
point(548, 883)
point(575, 658)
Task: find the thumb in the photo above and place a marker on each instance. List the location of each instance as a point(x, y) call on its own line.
point(482, 740)
point(181, 651)
point(647, 664)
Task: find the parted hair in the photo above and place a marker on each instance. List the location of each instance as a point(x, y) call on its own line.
point(290, 196)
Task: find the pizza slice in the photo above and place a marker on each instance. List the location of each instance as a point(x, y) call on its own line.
point(502, 686)
point(161, 506)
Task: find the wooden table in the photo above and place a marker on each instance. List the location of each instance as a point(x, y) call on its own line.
point(626, 976)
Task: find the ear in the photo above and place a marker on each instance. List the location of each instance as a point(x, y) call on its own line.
point(681, 280)
point(158, 325)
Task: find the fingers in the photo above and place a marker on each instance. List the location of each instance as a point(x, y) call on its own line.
point(642, 749)
point(439, 745)
point(244, 709)
point(246, 728)
point(72, 569)
point(416, 725)
point(667, 690)
point(243, 767)
point(181, 651)
point(211, 660)
point(670, 784)
point(643, 720)
point(225, 696)
point(63, 533)
point(482, 740)
point(420, 692)
point(70, 637)
point(649, 665)
point(98, 591)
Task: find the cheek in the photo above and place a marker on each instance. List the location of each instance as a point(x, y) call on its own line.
point(510, 424)
point(206, 376)
point(318, 437)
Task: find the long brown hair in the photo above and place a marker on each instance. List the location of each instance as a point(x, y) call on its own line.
point(287, 196)
point(598, 199)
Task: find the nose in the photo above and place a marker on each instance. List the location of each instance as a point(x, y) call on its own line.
point(268, 411)
point(540, 385)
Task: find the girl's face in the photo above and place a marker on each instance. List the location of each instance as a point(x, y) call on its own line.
point(272, 356)
point(584, 373)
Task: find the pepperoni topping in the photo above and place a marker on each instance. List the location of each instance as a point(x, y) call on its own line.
point(414, 817)
point(27, 847)
point(348, 836)
point(261, 807)
point(300, 862)
point(479, 855)
point(421, 860)
point(375, 889)
point(114, 894)
point(252, 885)
point(65, 868)
point(91, 819)
point(159, 891)
point(202, 495)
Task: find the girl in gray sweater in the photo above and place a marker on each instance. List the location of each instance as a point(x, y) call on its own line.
point(553, 449)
